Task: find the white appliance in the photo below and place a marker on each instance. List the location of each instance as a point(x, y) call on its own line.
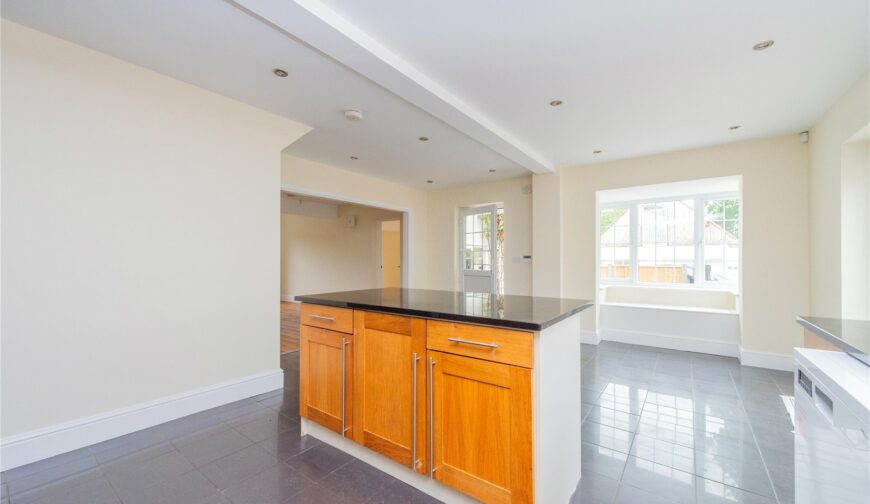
point(832, 428)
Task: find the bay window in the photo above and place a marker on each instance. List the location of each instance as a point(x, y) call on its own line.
point(681, 241)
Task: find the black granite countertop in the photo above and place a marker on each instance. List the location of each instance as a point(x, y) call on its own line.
point(853, 336)
point(515, 312)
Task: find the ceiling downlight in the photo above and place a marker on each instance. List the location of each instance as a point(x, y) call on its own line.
point(762, 45)
point(280, 72)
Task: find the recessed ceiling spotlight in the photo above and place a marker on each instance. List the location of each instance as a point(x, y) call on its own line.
point(596, 152)
point(424, 139)
point(762, 45)
point(279, 72)
point(354, 158)
point(429, 181)
point(732, 128)
point(555, 103)
point(492, 170)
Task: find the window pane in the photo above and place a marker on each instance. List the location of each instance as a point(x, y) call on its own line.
point(615, 235)
point(666, 242)
point(721, 241)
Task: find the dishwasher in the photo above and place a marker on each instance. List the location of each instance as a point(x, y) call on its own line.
point(832, 428)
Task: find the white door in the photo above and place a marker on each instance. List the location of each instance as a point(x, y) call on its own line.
point(477, 249)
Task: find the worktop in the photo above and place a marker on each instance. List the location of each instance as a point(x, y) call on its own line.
point(850, 336)
point(530, 313)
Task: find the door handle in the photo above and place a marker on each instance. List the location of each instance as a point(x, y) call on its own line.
point(343, 373)
point(431, 425)
point(322, 317)
point(470, 342)
point(414, 415)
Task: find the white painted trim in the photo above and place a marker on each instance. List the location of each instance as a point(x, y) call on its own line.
point(671, 342)
point(289, 298)
point(590, 337)
point(401, 472)
point(47, 442)
point(781, 362)
point(406, 219)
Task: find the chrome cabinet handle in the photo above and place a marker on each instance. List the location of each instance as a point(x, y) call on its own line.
point(414, 415)
point(343, 372)
point(469, 342)
point(322, 317)
point(431, 426)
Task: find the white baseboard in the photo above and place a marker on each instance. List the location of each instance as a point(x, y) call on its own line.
point(288, 298)
point(672, 342)
point(781, 362)
point(590, 337)
point(40, 444)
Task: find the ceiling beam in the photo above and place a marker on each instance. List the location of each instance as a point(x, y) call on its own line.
point(321, 28)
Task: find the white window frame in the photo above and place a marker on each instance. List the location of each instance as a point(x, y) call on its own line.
point(699, 264)
point(463, 212)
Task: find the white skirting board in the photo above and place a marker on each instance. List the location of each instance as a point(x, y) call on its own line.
point(781, 362)
point(288, 298)
point(727, 349)
point(43, 443)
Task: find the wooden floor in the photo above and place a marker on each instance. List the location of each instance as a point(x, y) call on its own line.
point(289, 326)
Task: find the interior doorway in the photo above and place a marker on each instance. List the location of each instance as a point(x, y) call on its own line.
point(481, 238)
point(390, 256)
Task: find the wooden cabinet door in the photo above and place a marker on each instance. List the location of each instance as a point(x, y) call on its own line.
point(482, 427)
point(325, 393)
point(390, 386)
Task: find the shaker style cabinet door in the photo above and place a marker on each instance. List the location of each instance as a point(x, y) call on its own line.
point(390, 386)
point(326, 378)
point(482, 427)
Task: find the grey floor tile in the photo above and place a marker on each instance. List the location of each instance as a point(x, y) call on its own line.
point(54, 473)
point(746, 472)
point(288, 444)
point(266, 426)
point(398, 491)
point(125, 445)
point(247, 411)
point(628, 494)
point(783, 485)
point(272, 486)
point(137, 458)
point(712, 492)
point(135, 477)
point(49, 463)
point(612, 418)
point(357, 481)
point(664, 453)
point(657, 479)
point(600, 461)
point(666, 431)
point(606, 436)
point(235, 468)
point(201, 451)
point(94, 491)
point(319, 461)
point(594, 489)
point(189, 488)
point(54, 491)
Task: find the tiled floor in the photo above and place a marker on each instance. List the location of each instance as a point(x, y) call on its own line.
point(663, 426)
point(660, 427)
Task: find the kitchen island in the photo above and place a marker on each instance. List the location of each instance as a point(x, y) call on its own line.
point(465, 396)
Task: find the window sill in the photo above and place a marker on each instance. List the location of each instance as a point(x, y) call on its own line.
point(650, 306)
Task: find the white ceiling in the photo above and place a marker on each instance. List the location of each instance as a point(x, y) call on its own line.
point(476, 77)
point(215, 45)
point(636, 77)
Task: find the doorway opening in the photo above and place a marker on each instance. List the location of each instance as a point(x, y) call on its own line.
point(330, 245)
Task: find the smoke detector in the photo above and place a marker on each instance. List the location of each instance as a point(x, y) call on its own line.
point(353, 115)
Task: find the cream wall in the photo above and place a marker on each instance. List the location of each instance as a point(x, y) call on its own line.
point(325, 255)
point(316, 179)
point(855, 250)
point(140, 234)
point(775, 232)
point(846, 117)
point(443, 206)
